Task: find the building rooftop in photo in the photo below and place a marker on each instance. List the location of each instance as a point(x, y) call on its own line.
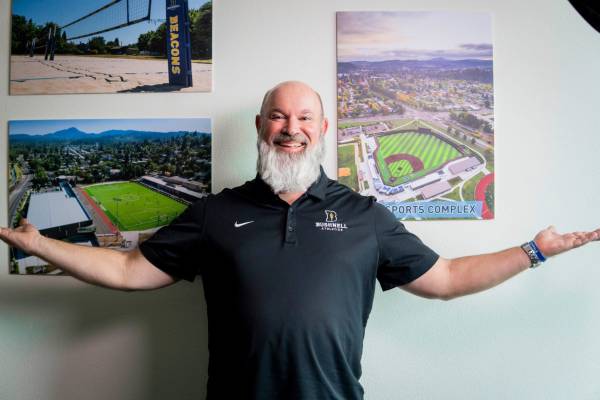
point(461, 166)
point(54, 209)
point(435, 188)
point(177, 187)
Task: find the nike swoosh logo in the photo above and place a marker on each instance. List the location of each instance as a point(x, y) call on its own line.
point(241, 224)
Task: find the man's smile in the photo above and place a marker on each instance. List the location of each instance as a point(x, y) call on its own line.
point(289, 145)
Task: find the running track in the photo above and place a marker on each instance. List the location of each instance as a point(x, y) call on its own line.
point(486, 213)
point(99, 212)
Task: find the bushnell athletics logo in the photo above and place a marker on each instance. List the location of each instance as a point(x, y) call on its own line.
point(330, 216)
point(331, 223)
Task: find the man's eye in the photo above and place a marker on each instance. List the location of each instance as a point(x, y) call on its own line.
point(276, 116)
point(306, 118)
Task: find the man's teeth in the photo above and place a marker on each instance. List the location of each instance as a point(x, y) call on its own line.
point(290, 144)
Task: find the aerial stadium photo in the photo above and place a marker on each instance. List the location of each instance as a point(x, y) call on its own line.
point(416, 111)
point(103, 182)
point(110, 46)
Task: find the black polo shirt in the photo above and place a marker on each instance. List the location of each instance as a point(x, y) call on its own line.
point(288, 288)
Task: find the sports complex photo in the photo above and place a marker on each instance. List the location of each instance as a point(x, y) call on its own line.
point(109, 183)
point(416, 111)
point(110, 46)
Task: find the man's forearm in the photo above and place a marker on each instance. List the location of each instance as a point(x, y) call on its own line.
point(473, 274)
point(450, 278)
point(94, 265)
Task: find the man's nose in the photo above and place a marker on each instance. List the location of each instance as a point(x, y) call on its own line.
point(292, 127)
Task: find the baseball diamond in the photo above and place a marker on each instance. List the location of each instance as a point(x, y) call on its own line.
point(405, 156)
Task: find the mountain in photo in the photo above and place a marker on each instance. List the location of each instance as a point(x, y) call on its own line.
point(74, 135)
point(392, 66)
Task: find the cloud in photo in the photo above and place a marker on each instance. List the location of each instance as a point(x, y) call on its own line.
point(378, 36)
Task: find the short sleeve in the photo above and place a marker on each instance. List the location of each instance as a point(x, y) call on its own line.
point(174, 248)
point(403, 257)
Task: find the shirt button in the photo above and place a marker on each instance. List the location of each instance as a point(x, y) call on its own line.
point(291, 228)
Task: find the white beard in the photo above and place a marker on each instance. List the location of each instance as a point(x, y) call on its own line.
point(289, 172)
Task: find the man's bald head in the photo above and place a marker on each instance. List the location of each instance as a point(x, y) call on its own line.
point(288, 84)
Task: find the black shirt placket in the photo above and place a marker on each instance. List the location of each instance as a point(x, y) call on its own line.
point(290, 226)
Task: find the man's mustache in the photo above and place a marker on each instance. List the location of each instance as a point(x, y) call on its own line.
point(284, 138)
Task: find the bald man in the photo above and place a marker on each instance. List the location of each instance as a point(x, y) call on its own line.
point(289, 262)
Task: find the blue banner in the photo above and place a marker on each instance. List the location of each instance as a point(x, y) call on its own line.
point(435, 209)
point(178, 43)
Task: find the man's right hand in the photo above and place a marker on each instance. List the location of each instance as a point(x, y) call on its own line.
point(25, 237)
point(124, 270)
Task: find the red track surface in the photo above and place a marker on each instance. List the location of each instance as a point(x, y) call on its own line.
point(104, 217)
point(486, 213)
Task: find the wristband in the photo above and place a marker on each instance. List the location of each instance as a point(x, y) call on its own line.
point(538, 253)
point(532, 254)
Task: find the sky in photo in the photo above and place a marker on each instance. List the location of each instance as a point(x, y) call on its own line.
point(63, 12)
point(379, 36)
point(41, 127)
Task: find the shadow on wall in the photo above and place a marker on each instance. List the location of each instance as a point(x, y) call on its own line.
point(91, 343)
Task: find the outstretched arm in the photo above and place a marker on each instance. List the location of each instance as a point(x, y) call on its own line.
point(99, 266)
point(450, 278)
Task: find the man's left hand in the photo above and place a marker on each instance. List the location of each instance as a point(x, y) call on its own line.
point(551, 243)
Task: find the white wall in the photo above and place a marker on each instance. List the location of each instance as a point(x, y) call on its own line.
point(535, 337)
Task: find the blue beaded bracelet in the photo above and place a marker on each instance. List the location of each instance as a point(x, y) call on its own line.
point(538, 253)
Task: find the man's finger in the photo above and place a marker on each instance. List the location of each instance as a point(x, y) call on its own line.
point(5, 235)
point(581, 235)
point(591, 236)
point(569, 236)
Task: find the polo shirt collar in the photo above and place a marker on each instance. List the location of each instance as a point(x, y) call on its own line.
point(317, 190)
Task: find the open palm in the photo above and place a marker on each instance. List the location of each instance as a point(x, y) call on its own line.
point(551, 243)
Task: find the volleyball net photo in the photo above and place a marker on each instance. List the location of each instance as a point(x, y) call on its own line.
point(113, 15)
point(119, 45)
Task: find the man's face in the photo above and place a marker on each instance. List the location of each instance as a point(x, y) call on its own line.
point(290, 138)
point(292, 119)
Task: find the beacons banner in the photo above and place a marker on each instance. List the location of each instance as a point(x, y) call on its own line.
point(416, 111)
point(179, 49)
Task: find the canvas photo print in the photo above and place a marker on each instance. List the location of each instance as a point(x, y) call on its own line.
point(110, 46)
point(103, 182)
point(416, 111)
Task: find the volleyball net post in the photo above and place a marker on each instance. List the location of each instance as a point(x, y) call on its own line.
point(179, 49)
point(32, 47)
point(50, 44)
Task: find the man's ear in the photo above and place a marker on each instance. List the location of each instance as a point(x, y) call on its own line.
point(257, 123)
point(324, 126)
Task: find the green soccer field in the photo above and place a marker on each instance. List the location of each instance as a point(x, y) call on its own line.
point(134, 207)
point(429, 149)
